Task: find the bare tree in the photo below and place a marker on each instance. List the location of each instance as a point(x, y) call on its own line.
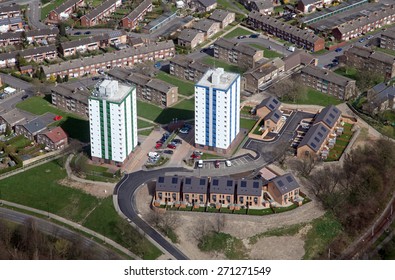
point(201, 229)
point(306, 165)
point(220, 221)
point(169, 222)
point(290, 89)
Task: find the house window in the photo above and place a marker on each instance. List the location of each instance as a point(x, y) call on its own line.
point(201, 198)
point(187, 196)
point(255, 200)
point(174, 196)
point(228, 198)
point(241, 199)
point(214, 197)
point(160, 195)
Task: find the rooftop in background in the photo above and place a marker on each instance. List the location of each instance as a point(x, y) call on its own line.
point(217, 78)
point(168, 184)
point(40, 123)
point(111, 90)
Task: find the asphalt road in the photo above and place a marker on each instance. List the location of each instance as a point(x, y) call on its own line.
point(55, 230)
point(125, 190)
point(34, 14)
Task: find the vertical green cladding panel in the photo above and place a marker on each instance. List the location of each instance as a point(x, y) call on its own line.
point(132, 114)
point(126, 128)
point(108, 104)
point(103, 151)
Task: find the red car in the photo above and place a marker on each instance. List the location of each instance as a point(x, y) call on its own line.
point(158, 145)
point(195, 156)
point(171, 146)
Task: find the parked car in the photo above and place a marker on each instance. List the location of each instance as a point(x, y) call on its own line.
point(367, 45)
point(177, 141)
point(153, 155)
point(200, 163)
point(158, 145)
point(241, 37)
point(199, 153)
point(77, 33)
point(370, 37)
point(228, 163)
point(338, 50)
point(169, 152)
point(361, 40)
point(254, 35)
point(195, 156)
point(184, 131)
point(216, 164)
point(87, 32)
point(25, 97)
point(171, 146)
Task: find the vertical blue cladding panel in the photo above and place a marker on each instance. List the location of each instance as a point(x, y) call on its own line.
point(214, 122)
point(207, 116)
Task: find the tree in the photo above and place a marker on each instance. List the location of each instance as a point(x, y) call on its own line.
point(42, 75)
point(58, 79)
point(52, 78)
point(306, 164)
point(290, 89)
point(66, 78)
point(20, 60)
point(367, 79)
point(220, 221)
point(62, 29)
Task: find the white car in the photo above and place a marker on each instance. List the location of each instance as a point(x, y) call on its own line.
point(228, 163)
point(200, 163)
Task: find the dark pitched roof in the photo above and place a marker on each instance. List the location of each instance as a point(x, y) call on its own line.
point(29, 52)
point(57, 134)
point(285, 183)
point(204, 24)
point(315, 137)
point(271, 103)
point(139, 9)
point(222, 185)
point(274, 116)
point(10, 8)
point(219, 15)
point(329, 116)
point(11, 35)
point(368, 53)
point(308, 2)
point(65, 5)
point(40, 32)
point(189, 34)
point(249, 187)
point(83, 41)
point(207, 3)
point(168, 184)
point(100, 9)
point(327, 75)
point(40, 123)
point(72, 93)
point(195, 185)
point(188, 62)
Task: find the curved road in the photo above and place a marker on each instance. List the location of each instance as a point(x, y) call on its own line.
point(55, 230)
point(125, 190)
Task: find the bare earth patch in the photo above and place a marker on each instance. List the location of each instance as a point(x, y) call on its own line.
point(99, 191)
point(277, 248)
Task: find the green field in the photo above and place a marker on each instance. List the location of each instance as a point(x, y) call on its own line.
point(348, 72)
point(314, 97)
point(232, 5)
point(247, 123)
point(181, 111)
point(219, 63)
point(106, 221)
point(39, 188)
point(145, 132)
point(341, 143)
point(52, 5)
point(266, 52)
point(237, 32)
point(184, 87)
point(387, 51)
point(143, 124)
point(75, 126)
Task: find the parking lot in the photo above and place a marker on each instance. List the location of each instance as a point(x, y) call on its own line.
point(239, 161)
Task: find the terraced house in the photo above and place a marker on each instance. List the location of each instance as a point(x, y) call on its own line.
point(167, 190)
point(328, 82)
point(194, 191)
point(222, 191)
point(64, 10)
point(302, 38)
point(223, 17)
point(284, 189)
point(83, 45)
point(35, 54)
point(100, 13)
point(41, 35)
point(68, 98)
point(10, 24)
point(240, 54)
point(387, 40)
point(127, 57)
point(132, 20)
point(264, 7)
point(208, 27)
point(190, 38)
point(249, 193)
point(10, 11)
point(369, 60)
point(187, 68)
point(11, 38)
point(148, 89)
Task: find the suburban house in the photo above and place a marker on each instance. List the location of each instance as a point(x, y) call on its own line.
point(64, 10)
point(380, 98)
point(10, 38)
point(100, 13)
point(35, 54)
point(322, 135)
point(208, 27)
point(168, 190)
point(53, 139)
point(222, 191)
point(387, 40)
point(68, 98)
point(369, 60)
point(328, 82)
point(240, 54)
point(41, 35)
point(190, 38)
point(132, 20)
point(10, 119)
point(358, 26)
point(187, 68)
point(257, 77)
point(127, 57)
point(284, 189)
point(10, 24)
point(264, 7)
point(299, 58)
point(223, 17)
point(159, 22)
point(249, 193)
point(302, 38)
point(34, 126)
point(10, 11)
point(204, 5)
point(309, 6)
point(83, 45)
point(195, 191)
point(268, 105)
point(148, 89)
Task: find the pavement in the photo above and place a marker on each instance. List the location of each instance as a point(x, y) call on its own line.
point(50, 228)
point(34, 14)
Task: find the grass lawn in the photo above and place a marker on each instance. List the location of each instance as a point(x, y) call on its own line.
point(266, 52)
point(348, 72)
point(19, 142)
point(281, 231)
point(52, 5)
point(246, 110)
point(143, 124)
point(230, 5)
point(247, 123)
point(219, 63)
point(341, 143)
point(314, 97)
point(388, 115)
point(324, 230)
point(237, 32)
point(39, 188)
point(182, 111)
point(184, 87)
point(387, 51)
point(232, 247)
point(75, 126)
point(145, 132)
point(210, 156)
point(106, 221)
